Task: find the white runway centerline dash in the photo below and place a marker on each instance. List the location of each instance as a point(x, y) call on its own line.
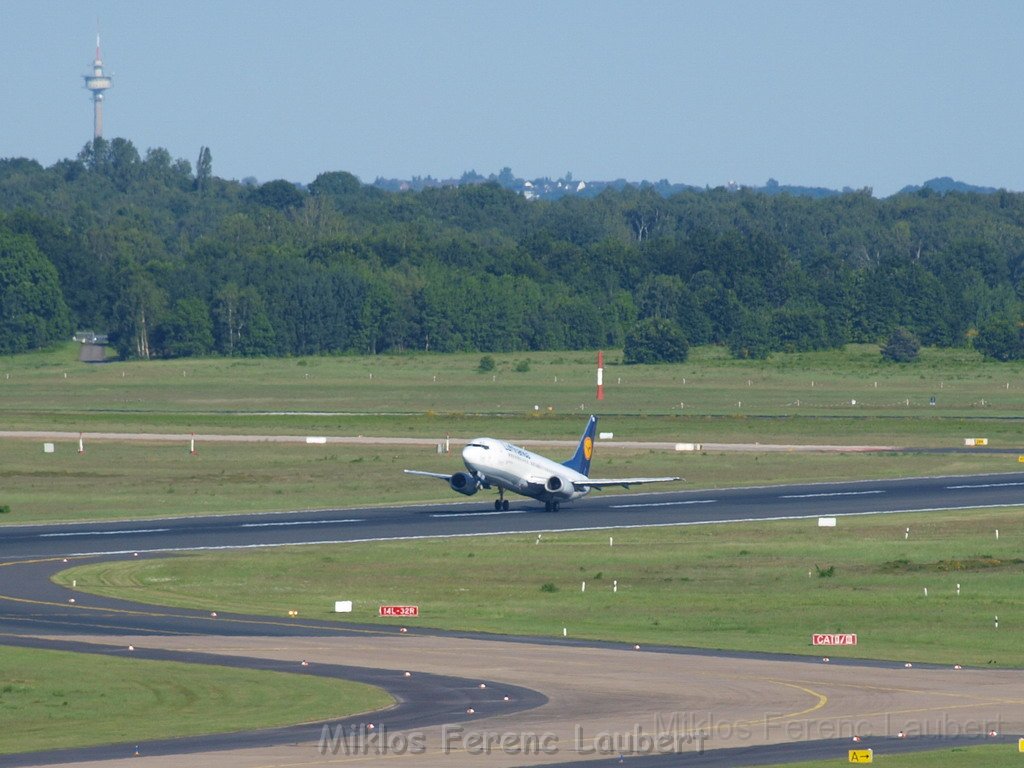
point(299, 522)
point(480, 514)
point(982, 485)
point(664, 504)
point(823, 495)
point(102, 533)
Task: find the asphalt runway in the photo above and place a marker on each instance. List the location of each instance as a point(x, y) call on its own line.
point(477, 516)
point(562, 688)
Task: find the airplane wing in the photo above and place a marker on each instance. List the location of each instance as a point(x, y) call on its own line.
point(478, 478)
point(438, 475)
point(625, 482)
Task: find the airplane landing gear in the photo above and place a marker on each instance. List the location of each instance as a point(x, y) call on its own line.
point(550, 506)
point(501, 503)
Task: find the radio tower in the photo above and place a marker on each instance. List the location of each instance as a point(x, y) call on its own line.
point(97, 82)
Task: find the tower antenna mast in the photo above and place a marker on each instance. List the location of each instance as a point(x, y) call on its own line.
point(97, 83)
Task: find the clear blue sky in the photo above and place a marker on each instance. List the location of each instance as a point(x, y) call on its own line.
point(864, 93)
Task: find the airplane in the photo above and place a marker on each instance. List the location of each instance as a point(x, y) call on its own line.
point(499, 464)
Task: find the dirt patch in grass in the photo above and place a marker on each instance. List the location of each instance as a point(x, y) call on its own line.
point(972, 563)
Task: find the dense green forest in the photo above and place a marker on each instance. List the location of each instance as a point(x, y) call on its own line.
point(172, 261)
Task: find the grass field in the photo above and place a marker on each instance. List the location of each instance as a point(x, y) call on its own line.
point(53, 699)
point(723, 401)
point(343, 394)
point(993, 756)
point(138, 480)
point(686, 586)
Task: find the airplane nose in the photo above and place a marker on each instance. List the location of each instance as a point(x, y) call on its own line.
point(473, 454)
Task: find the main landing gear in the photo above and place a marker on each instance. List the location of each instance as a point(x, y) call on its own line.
point(501, 503)
point(550, 506)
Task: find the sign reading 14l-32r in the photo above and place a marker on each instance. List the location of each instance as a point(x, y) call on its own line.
point(400, 610)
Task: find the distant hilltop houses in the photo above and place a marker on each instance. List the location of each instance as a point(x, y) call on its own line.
point(543, 188)
point(552, 189)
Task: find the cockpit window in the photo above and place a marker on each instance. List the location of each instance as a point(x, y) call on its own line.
point(478, 445)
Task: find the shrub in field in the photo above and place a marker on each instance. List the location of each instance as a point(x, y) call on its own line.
point(902, 347)
point(655, 340)
point(1000, 338)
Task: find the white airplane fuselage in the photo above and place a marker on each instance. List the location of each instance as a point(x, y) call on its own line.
point(502, 464)
point(493, 463)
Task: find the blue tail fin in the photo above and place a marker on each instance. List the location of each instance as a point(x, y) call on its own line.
point(585, 450)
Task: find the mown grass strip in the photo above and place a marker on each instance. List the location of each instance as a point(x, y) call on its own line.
point(852, 383)
point(989, 756)
point(138, 480)
point(848, 396)
point(55, 699)
point(752, 587)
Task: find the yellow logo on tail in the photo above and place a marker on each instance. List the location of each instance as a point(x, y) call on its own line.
point(588, 448)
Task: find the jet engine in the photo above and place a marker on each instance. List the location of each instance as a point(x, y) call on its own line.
point(559, 487)
point(464, 483)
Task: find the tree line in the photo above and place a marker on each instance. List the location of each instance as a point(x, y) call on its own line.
point(172, 261)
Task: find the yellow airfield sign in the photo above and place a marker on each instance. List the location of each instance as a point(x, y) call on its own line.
point(861, 756)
